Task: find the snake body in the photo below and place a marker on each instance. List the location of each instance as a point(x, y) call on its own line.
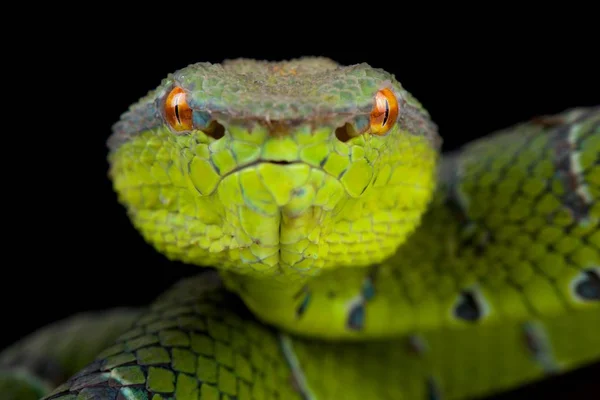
point(349, 264)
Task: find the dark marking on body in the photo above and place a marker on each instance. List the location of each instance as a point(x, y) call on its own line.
point(415, 345)
point(303, 305)
point(306, 295)
point(573, 199)
point(589, 287)
point(356, 314)
point(433, 392)
point(532, 342)
point(537, 344)
point(468, 309)
point(356, 317)
point(368, 289)
point(217, 169)
point(365, 188)
point(299, 191)
point(324, 161)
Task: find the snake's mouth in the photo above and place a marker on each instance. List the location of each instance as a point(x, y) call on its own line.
point(281, 162)
point(259, 162)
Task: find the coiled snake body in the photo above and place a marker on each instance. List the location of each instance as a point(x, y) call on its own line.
point(352, 261)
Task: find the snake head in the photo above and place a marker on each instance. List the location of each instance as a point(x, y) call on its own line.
point(281, 169)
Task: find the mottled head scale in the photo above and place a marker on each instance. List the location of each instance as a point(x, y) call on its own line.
point(278, 94)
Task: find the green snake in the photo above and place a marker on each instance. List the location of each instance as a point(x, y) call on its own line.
point(349, 258)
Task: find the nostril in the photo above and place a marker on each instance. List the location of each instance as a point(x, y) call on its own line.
point(215, 130)
point(342, 133)
point(345, 132)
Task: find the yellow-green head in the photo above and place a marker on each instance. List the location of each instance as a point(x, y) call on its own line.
point(275, 168)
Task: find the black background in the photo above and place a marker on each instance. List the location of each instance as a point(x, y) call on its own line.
point(71, 247)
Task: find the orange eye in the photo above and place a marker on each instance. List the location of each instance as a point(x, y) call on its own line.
point(385, 112)
point(177, 111)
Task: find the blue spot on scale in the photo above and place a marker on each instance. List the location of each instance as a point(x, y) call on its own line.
point(368, 289)
point(589, 287)
point(303, 305)
point(356, 317)
point(468, 308)
point(299, 192)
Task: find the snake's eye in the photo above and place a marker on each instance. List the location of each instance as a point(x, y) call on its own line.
point(385, 112)
point(177, 111)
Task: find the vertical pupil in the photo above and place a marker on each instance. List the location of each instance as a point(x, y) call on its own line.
point(177, 112)
point(386, 116)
